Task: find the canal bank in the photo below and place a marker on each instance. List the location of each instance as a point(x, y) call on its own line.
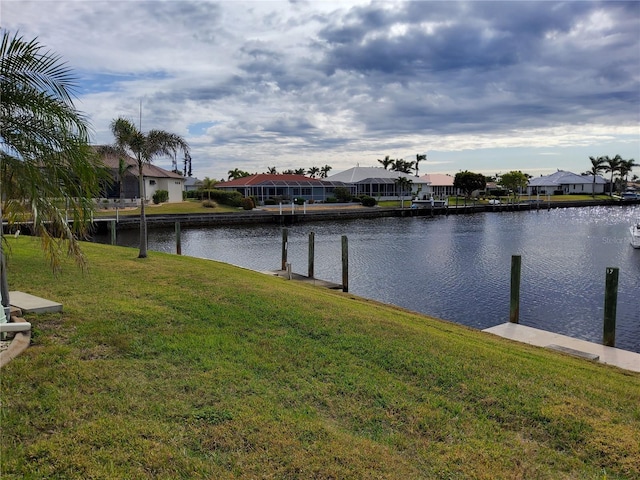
point(287, 215)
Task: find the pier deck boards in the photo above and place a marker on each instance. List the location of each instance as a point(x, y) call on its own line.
point(541, 338)
point(302, 278)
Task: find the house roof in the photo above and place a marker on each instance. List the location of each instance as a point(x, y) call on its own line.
point(372, 175)
point(438, 179)
point(149, 170)
point(271, 179)
point(564, 178)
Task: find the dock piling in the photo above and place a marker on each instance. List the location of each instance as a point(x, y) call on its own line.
point(514, 304)
point(311, 254)
point(285, 241)
point(178, 240)
point(610, 303)
point(345, 264)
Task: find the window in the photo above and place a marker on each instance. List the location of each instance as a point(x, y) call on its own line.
point(152, 182)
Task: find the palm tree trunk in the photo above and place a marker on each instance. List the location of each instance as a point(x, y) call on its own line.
point(143, 218)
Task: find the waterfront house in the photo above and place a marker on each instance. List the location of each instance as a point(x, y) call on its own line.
point(155, 178)
point(441, 185)
point(379, 183)
point(280, 187)
point(192, 184)
point(565, 183)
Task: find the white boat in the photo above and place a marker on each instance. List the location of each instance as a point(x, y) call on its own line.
point(635, 234)
point(427, 202)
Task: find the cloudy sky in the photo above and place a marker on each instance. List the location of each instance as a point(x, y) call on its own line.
point(484, 86)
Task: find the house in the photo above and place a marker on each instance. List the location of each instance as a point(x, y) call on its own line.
point(192, 184)
point(155, 178)
point(564, 183)
point(441, 184)
point(379, 183)
point(283, 187)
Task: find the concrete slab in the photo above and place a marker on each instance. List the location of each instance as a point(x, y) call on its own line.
point(541, 338)
point(31, 304)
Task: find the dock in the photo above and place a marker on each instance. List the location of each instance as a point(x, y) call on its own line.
point(568, 345)
point(301, 278)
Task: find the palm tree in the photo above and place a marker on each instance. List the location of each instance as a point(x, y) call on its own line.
point(300, 171)
point(386, 162)
point(208, 184)
point(403, 184)
point(272, 170)
point(313, 171)
point(324, 171)
point(237, 173)
point(419, 158)
point(625, 169)
point(123, 168)
point(46, 163)
point(144, 147)
point(612, 166)
point(597, 166)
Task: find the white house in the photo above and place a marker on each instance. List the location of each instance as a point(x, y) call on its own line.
point(379, 183)
point(562, 182)
point(441, 184)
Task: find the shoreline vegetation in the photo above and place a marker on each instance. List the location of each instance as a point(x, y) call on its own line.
point(177, 367)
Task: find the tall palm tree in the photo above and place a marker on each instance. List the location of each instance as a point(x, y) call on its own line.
point(625, 169)
point(386, 162)
point(420, 157)
point(612, 165)
point(403, 184)
point(46, 163)
point(144, 147)
point(324, 171)
point(597, 166)
point(237, 173)
point(313, 171)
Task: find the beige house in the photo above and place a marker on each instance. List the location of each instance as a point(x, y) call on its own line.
point(441, 184)
point(128, 187)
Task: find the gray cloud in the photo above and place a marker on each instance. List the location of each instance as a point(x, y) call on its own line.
point(353, 81)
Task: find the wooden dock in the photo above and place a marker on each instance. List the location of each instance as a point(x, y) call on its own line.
point(301, 278)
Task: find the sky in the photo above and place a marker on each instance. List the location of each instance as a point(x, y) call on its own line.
point(483, 86)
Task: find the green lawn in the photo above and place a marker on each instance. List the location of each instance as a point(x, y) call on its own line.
point(174, 367)
point(188, 206)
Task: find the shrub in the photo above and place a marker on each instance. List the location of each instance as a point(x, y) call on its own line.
point(369, 201)
point(270, 201)
point(298, 201)
point(160, 196)
point(247, 203)
point(331, 200)
point(233, 199)
point(209, 204)
point(342, 194)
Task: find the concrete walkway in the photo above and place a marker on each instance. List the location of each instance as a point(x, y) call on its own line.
point(572, 346)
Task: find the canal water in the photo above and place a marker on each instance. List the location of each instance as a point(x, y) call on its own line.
point(456, 267)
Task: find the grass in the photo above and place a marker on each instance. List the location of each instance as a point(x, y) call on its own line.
point(188, 206)
point(175, 367)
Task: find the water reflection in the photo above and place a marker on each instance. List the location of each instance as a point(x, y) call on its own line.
point(457, 267)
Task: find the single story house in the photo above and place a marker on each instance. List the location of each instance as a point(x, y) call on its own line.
point(441, 184)
point(192, 184)
point(128, 187)
point(380, 183)
point(264, 186)
point(562, 182)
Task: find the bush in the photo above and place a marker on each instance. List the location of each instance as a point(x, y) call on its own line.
point(233, 199)
point(247, 203)
point(160, 196)
point(331, 200)
point(298, 201)
point(270, 201)
point(342, 194)
point(209, 204)
point(369, 201)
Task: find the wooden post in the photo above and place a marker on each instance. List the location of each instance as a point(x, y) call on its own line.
point(178, 242)
point(311, 254)
point(345, 264)
point(113, 232)
point(285, 240)
point(610, 303)
point(514, 305)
